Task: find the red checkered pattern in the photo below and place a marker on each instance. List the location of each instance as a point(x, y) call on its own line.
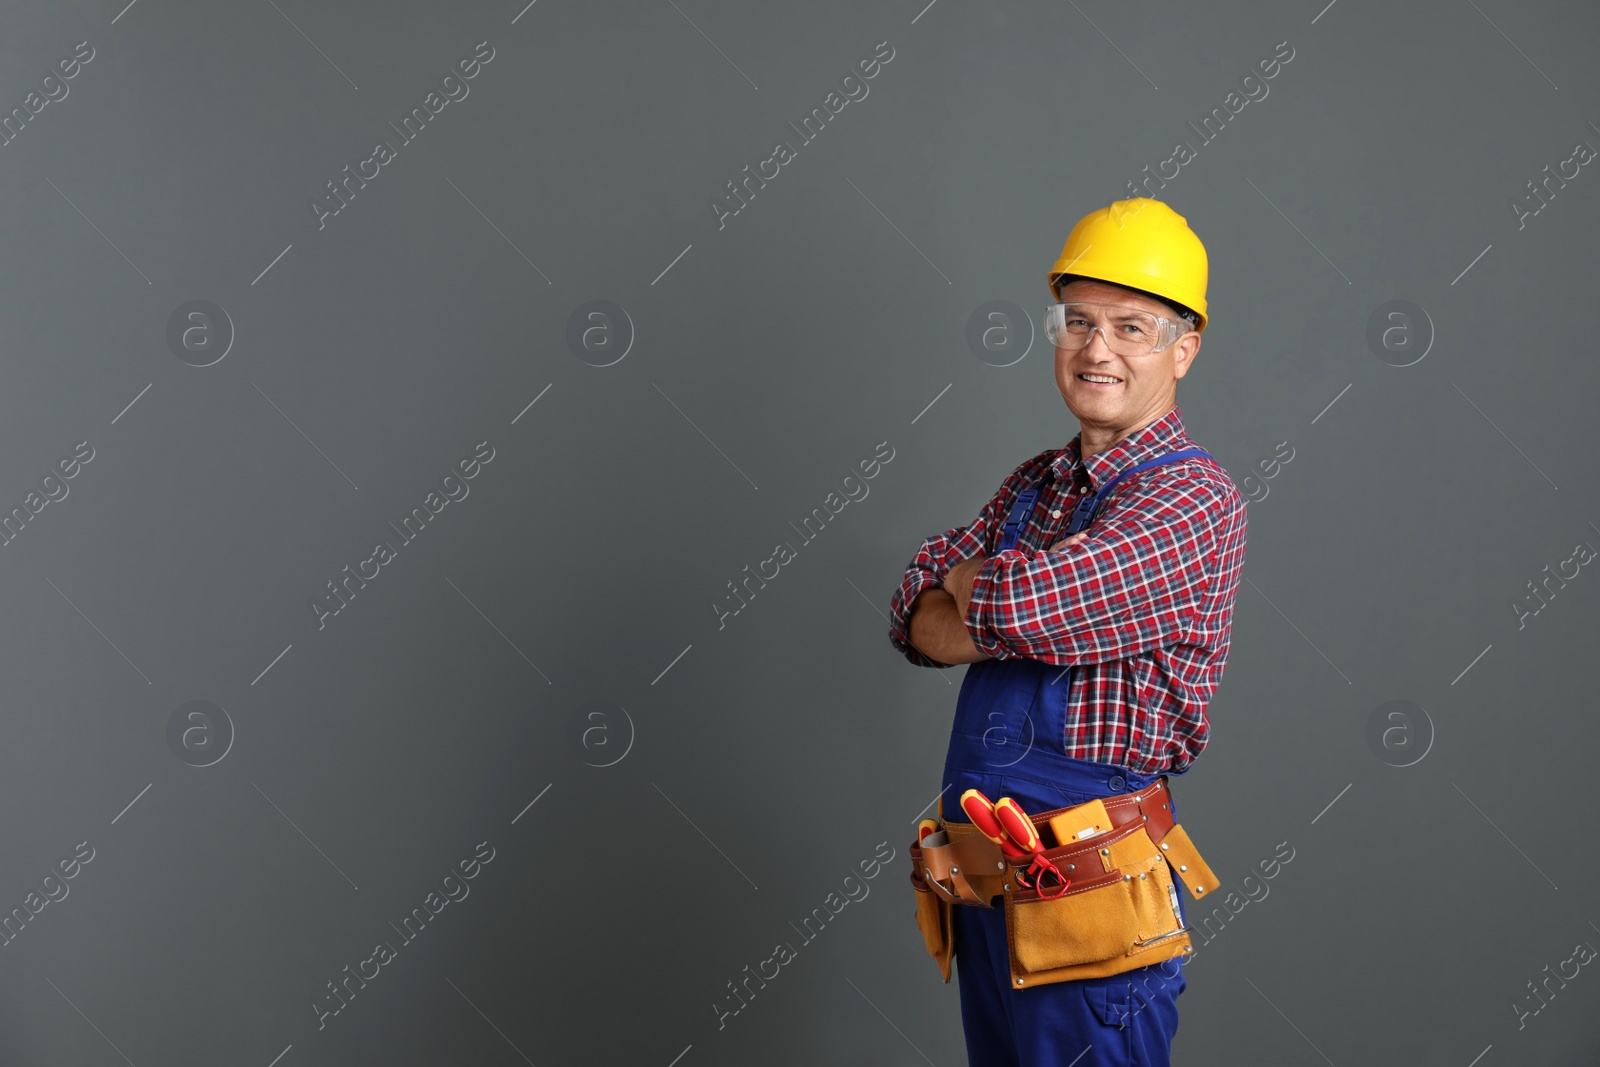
point(1141, 609)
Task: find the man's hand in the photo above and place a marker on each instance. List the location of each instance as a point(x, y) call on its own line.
point(1067, 542)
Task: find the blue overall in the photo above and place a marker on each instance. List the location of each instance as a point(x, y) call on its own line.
point(1009, 739)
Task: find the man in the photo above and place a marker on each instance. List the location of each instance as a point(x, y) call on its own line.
point(1093, 655)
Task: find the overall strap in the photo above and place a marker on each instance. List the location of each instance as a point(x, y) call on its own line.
point(1019, 514)
point(1084, 513)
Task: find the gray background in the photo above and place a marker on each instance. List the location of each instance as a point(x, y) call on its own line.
point(753, 767)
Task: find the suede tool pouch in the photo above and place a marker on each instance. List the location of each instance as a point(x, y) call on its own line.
point(1119, 913)
point(934, 918)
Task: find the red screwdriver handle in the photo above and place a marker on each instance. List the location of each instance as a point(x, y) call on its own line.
point(981, 810)
point(1015, 822)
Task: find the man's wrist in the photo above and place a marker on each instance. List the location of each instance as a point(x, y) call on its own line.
point(969, 588)
point(975, 608)
point(965, 573)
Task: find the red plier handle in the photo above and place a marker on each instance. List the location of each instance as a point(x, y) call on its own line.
point(1020, 828)
point(1039, 868)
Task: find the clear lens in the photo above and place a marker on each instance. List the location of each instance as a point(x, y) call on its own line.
point(1127, 331)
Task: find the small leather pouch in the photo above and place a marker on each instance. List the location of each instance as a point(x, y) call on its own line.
point(959, 864)
point(940, 882)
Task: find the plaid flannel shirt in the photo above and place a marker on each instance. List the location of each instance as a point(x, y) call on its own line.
point(1141, 608)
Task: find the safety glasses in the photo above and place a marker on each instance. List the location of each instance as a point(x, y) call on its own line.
point(1126, 331)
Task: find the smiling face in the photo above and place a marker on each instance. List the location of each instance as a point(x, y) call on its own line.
point(1113, 395)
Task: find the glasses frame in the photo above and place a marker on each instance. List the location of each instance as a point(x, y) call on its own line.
point(1167, 330)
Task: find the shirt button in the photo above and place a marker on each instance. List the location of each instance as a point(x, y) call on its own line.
point(1056, 514)
point(1117, 783)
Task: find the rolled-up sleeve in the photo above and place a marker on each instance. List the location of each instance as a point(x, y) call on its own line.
point(1132, 586)
point(926, 571)
point(942, 551)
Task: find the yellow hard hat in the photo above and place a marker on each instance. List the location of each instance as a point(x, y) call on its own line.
point(1142, 244)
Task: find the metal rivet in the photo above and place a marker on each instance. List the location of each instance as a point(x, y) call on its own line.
point(1001, 865)
point(1127, 878)
point(1183, 866)
point(1019, 981)
point(1072, 866)
point(1105, 852)
point(1163, 846)
point(1142, 876)
point(1008, 887)
point(955, 870)
point(1144, 818)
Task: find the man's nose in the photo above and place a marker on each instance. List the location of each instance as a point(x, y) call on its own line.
point(1097, 333)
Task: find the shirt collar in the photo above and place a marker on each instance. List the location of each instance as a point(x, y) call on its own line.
point(1164, 435)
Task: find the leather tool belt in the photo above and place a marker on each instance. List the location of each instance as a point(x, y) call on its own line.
point(1119, 912)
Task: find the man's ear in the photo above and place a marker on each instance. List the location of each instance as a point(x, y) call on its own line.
point(1188, 346)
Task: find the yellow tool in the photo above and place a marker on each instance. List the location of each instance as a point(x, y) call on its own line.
point(1080, 822)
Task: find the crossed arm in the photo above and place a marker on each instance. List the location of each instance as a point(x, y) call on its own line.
point(937, 630)
point(937, 626)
